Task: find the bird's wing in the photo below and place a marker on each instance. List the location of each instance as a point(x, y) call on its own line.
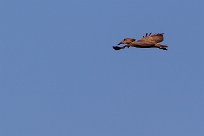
point(155, 38)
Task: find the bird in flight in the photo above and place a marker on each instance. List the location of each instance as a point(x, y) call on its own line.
point(147, 41)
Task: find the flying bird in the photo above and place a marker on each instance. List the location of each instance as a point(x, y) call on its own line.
point(147, 41)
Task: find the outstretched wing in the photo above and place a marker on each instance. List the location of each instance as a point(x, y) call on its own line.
point(155, 38)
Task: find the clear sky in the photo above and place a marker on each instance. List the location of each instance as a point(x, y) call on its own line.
point(59, 75)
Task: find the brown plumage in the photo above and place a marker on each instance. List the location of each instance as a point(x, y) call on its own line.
point(148, 41)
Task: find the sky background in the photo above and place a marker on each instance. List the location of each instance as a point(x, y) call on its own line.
point(59, 75)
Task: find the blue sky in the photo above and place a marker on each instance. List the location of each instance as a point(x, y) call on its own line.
point(60, 76)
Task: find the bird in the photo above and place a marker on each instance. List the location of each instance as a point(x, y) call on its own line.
point(148, 41)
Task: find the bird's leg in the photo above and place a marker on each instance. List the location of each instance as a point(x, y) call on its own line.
point(157, 45)
point(127, 46)
point(163, 47)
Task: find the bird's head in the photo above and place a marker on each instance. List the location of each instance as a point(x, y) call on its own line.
point(127, 41)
